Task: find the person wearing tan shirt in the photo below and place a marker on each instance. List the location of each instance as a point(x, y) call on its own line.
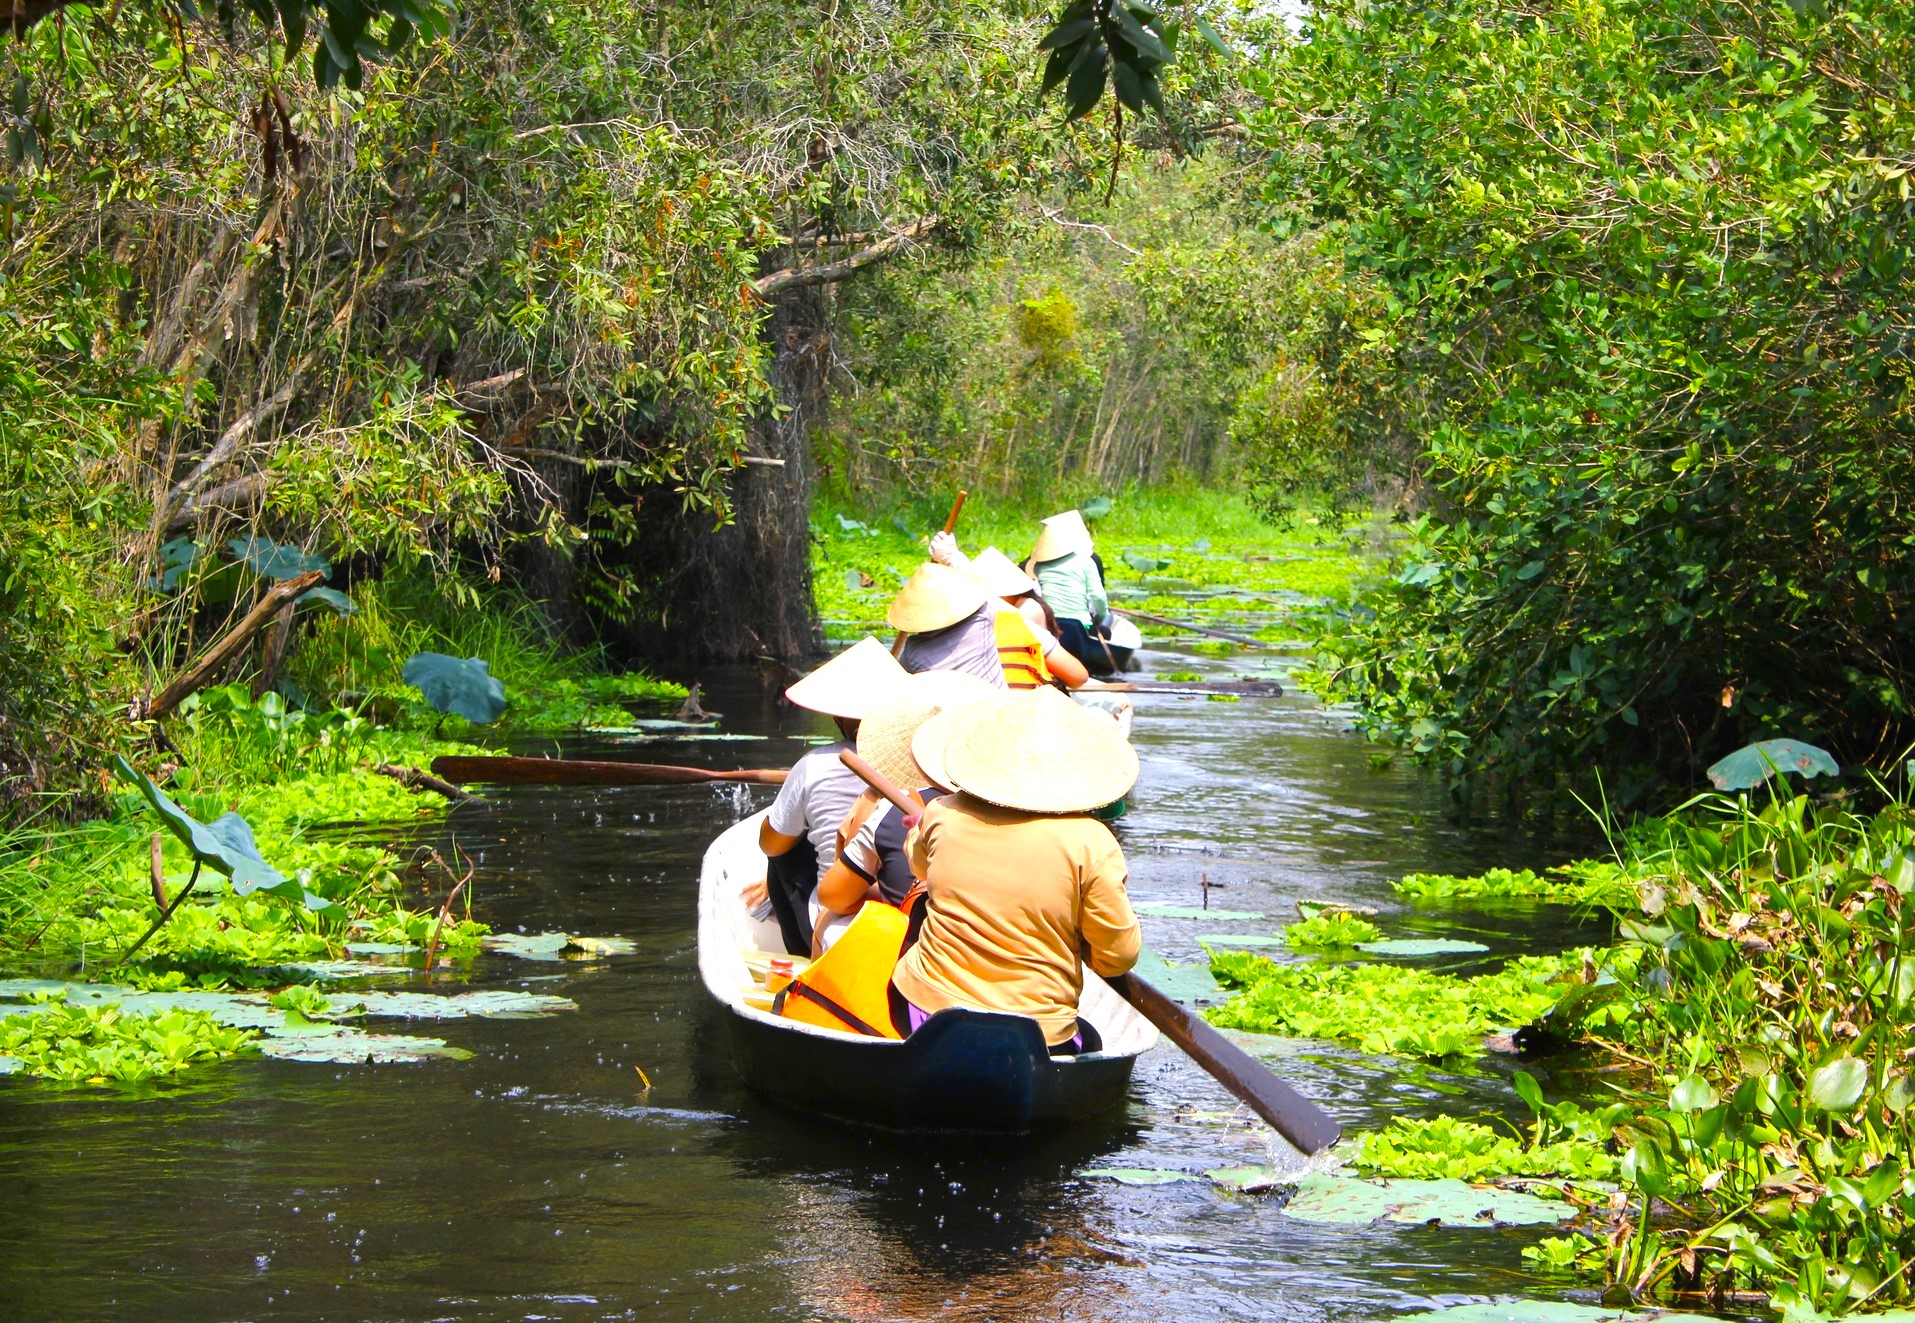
point(1022, 885)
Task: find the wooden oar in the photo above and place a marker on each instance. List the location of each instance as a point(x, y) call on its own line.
point(1244, 639)
point(950, 525)
point(1241, 688)
point(1291, 1114)
point(584, 772)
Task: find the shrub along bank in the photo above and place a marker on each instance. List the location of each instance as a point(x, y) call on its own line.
point(1753, 1023)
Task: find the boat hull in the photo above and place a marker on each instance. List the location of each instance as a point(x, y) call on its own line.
point(963, 1070)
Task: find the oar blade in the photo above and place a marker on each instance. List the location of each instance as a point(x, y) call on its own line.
point(1295, 1117)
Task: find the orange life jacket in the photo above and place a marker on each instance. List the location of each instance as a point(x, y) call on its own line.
point(849, 987)
point(1019, 652)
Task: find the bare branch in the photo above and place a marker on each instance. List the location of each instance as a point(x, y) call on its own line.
point(830, 272)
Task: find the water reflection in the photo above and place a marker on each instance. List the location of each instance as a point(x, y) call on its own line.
point(540, 1180)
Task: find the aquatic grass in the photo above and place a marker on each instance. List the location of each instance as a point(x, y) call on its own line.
point(94, 1044)
point(1385, 1008)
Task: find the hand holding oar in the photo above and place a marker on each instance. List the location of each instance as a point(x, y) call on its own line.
point(1293, 1116)
point(584, 772)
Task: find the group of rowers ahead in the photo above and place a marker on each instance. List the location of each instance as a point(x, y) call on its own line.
point(991, 895)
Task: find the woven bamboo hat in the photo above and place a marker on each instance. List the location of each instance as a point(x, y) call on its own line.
point(1063, 534)
point(847, 685)
point(1000, 574)
point(934, 737)
point(937, 596)
point(884, 738)
point(1038, 751)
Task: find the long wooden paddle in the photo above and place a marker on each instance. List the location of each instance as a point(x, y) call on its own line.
point(1186, 626)
point(1291, 1114)
point(463, 769)
point(1240, 688)
point(950, 525)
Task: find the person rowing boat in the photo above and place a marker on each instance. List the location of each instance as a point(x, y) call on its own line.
point(1063, 564)
point(1031, 655)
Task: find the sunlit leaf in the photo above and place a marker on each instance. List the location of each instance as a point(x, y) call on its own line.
point(1755, 763)
point(454, 684)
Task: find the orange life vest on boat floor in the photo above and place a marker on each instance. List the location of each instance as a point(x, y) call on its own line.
point(1019, 652)
point(848, 988)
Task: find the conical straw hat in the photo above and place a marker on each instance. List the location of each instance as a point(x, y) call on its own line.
point(884, 738)
point(934, 737)
point(936, 596)
point(1063, 534)
point(1000, 574)
point(847, 684)
point(1038, 751)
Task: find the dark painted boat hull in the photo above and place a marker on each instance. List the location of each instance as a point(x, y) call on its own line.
point(962, 1071)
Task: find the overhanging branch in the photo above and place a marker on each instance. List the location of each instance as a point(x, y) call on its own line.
point(830, 272)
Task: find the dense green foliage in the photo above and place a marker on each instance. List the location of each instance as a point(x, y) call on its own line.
point(1641, 270)
point(89, 1044)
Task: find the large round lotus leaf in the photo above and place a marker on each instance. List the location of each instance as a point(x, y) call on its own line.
point(1240, 941)
point(1421, 946)
point(526, 946)
point(1146, 564)
point(176, 558)
point(1096, 507)
point(350, 1047)
point(1170, 911)
point(457, 684)
point(1756, 763)
point(340, 603)
point(1139, 1175)
point(1451, 1203)
point(1247, 1178)
point(276, 560)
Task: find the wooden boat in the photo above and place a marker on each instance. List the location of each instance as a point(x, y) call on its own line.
point(963, 1070)
point(1125, 639)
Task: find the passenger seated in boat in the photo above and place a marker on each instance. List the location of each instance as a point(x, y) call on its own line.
point(800, 834)
point(1022, 884)
point(1067, 575)
point(1030, 655)
point(872, 865)
point(945, 617)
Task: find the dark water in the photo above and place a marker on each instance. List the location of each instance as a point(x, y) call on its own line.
point(539, 1180)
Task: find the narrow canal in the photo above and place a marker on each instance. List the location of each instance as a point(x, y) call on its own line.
point(540, 1180)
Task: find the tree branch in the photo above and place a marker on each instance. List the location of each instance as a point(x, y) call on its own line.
point(229, 647)
point(830, 272)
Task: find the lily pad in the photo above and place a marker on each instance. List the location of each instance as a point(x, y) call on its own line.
point(11, 1065)
point(603, 946)
point(1421, 946)
point(350, 1047)
point(1169, 911)
point(1146, 564)
point(1139, 1175)
point(276, 560)
point(1348, 1200)
point(1755, 763)
point(1247, 1178)
point(527, 946)
point(498, 1004)
point(176, 558)
point(1096, 507)
point(454, 684)
point(1241, 941)
point(1549, 1311)
point(1192, 983)
point(378, 948)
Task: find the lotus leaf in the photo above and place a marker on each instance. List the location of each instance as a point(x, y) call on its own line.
point(1146, 564)
point(492, 1004)
point(1246, 1178)
point(603, 946)
point(1321, 1197)
point(1096, 507)
point(527, 946)
point(1755, 763)
point(454, 684)
point(1139, 1175)
point(176, 558)
point(379, 948)
point(1185, 983)
point(11, 1065)
point(1169, 911)
point(1550, 1311)
point(276, 560)
point(1240, 941)
point(225, 845)
point(332, 597)
point(349, 1047)
point(1421, 946)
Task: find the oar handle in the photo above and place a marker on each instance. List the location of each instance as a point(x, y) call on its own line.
point(871, 776)
point(957, 508)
